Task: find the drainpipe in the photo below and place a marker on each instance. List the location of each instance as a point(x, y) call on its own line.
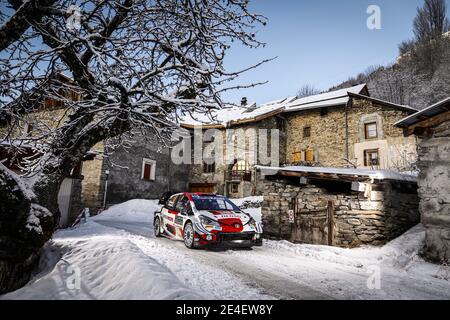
point(347, 106)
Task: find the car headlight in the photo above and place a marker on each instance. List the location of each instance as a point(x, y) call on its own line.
point(208, 221)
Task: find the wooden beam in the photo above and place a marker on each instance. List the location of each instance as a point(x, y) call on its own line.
point(428, 123)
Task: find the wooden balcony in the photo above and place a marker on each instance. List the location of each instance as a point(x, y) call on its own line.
point(239, 175)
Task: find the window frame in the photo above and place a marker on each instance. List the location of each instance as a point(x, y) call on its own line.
point(367, 153)
point(366, 130)
point(234, 185)
point(152, 163)
point(171, 205)
point(307, 132)
point(209, 167)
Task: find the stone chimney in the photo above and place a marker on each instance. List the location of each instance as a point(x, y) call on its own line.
point(243, 101)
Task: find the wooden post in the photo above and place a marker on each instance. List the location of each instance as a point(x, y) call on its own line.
point(330, 216)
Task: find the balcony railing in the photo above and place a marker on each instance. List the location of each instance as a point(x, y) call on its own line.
point(239, 175)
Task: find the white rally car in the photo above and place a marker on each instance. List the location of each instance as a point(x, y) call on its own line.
point(201, 219)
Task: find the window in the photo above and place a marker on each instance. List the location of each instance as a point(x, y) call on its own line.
point(323, 112)
point(371, 158)
point(209, 167)
point(183, 205)
point(241, 165)
point(234, 188)
point(148, 169)
point(216, 203)
point(371, 131)
point(306, 132)
point(170, 204)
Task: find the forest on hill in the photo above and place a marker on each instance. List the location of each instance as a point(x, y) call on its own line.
point(421, 74)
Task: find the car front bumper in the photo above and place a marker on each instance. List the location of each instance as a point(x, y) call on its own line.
point(234, 239)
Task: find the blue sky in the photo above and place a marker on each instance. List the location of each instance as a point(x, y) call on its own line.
point(319, 42)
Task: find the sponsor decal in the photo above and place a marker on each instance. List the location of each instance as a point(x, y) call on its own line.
point(228, 216)
point(179, 220)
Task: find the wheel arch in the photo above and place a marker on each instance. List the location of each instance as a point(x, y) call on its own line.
point(187, 221)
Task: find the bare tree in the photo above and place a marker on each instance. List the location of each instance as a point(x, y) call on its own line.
point(307, 90)
point(406, 46)
point(431, 21)
point(134, 63)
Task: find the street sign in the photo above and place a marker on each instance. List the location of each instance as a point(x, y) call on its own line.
point(291, 216)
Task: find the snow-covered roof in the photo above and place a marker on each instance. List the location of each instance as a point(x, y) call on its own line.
point(252, 112)
point(370, 174)
point(431, 111)
point(236, 114)
point(327, 99)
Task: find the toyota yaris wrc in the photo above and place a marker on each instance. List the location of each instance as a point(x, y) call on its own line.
point(201, 219)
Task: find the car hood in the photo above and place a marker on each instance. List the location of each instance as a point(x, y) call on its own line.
point(225, 215)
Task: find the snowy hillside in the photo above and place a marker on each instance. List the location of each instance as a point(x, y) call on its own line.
point(117, 257)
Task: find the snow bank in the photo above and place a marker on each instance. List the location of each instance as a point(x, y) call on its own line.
point(117, 257)
point(397, 253)
point(254, 212)
point(109, 265)
point(101, 267)
point(137, 210)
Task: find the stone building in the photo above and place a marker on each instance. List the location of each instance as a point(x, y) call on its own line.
point(432, 126)
point(337, 206)
point(348, 128)
point(141, 170)
point(237, 133)
point(342, 128)
point(16, 138)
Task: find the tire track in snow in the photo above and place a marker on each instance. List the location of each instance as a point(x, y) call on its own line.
point(196, 267)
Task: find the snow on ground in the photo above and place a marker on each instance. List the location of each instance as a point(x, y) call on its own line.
point(118, 258)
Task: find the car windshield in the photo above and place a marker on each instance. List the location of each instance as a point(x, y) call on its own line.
point(213, 203)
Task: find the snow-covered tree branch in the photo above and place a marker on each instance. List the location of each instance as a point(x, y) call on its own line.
point(113, 66)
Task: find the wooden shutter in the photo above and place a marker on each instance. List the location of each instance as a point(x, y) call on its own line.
point(147, 171)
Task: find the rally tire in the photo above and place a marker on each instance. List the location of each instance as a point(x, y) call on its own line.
point(157, 227)
point(188, 236)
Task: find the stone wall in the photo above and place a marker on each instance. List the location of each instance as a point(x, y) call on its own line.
point(328, 138)
point(125, 176)
point(92, 184)
point(434, 191)
point(321, 206)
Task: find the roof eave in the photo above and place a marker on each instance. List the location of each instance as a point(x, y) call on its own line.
point(384, 103)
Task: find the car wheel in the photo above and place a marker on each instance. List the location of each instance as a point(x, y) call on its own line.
point(188, 235)
point(157, 227)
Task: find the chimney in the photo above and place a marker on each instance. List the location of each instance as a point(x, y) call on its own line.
point(243, 101)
